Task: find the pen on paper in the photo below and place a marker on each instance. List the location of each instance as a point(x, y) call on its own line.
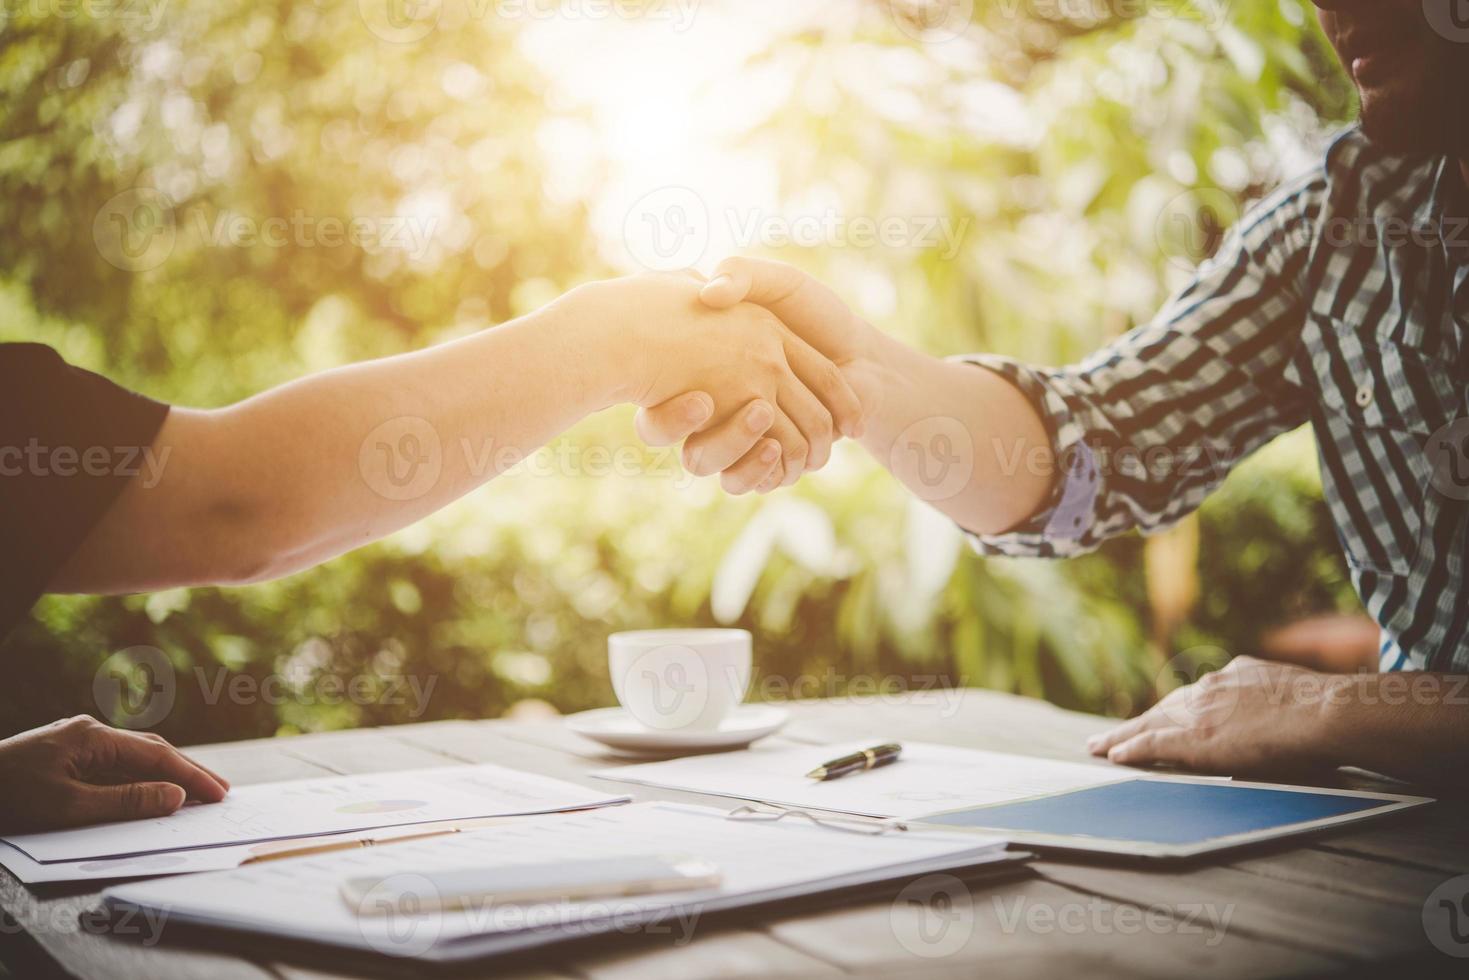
point(860, 761)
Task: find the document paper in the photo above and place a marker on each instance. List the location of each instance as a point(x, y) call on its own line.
point(927, 778)
point(302, 898)
point(306, 807)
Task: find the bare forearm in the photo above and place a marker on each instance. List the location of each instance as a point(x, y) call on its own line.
point(1414, 726)
point(317, 467)
point(959, 436)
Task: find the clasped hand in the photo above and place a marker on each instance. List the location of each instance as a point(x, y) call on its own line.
point(757, 371)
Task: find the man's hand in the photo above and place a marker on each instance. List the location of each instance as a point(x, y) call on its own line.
point(1250, 717)
point(80, 771)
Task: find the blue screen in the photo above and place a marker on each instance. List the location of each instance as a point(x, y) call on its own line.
point(1158, 812)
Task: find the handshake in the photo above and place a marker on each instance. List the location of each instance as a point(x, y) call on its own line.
point(758, 370)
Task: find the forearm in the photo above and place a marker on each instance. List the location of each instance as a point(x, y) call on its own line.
point(1413, 726)
point(325, 464)
point(960, 437)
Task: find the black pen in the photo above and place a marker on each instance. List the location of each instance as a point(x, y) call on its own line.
point(878, 755)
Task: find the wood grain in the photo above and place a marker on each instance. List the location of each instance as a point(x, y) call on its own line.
point(1343, 900)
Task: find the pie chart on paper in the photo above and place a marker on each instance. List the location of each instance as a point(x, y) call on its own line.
point(381, 806)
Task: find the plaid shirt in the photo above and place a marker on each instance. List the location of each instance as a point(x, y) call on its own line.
point(1343, 301)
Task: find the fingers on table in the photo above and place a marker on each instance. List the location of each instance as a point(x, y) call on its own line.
point(125, 801)
point(673, 421)
point(1156, 746)
point(1104, 743)
point(150, 757)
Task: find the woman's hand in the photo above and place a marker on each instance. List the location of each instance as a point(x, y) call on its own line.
point(775, 403)
point(80, 771)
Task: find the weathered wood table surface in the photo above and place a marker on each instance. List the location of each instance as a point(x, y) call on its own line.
point(1351, 901)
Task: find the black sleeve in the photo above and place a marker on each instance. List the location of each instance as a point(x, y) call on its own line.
point(70, 441)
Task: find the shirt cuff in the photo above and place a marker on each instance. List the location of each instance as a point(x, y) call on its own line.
point(1060, 528)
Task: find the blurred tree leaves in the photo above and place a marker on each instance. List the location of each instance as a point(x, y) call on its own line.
point(1057, 137)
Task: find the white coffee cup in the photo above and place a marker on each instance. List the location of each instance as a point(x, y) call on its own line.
point(680, 679)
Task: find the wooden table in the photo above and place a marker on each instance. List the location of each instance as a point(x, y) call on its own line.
point(1348, 901)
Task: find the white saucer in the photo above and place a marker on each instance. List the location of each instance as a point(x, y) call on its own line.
point(617, 728)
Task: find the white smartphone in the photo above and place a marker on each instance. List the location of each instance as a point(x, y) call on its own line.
point(519, 884)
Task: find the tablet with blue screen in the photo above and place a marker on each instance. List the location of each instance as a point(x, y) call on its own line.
point(1170, 817)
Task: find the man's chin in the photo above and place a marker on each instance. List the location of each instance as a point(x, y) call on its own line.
point(1400, 135)
point(1415, 112)
point(1415, 129)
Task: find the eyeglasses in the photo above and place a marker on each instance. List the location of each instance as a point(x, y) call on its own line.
point(848, 825)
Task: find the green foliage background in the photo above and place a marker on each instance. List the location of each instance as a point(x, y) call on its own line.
point(266, 107)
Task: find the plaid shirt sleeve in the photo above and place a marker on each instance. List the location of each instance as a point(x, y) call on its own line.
point(1150, 425)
